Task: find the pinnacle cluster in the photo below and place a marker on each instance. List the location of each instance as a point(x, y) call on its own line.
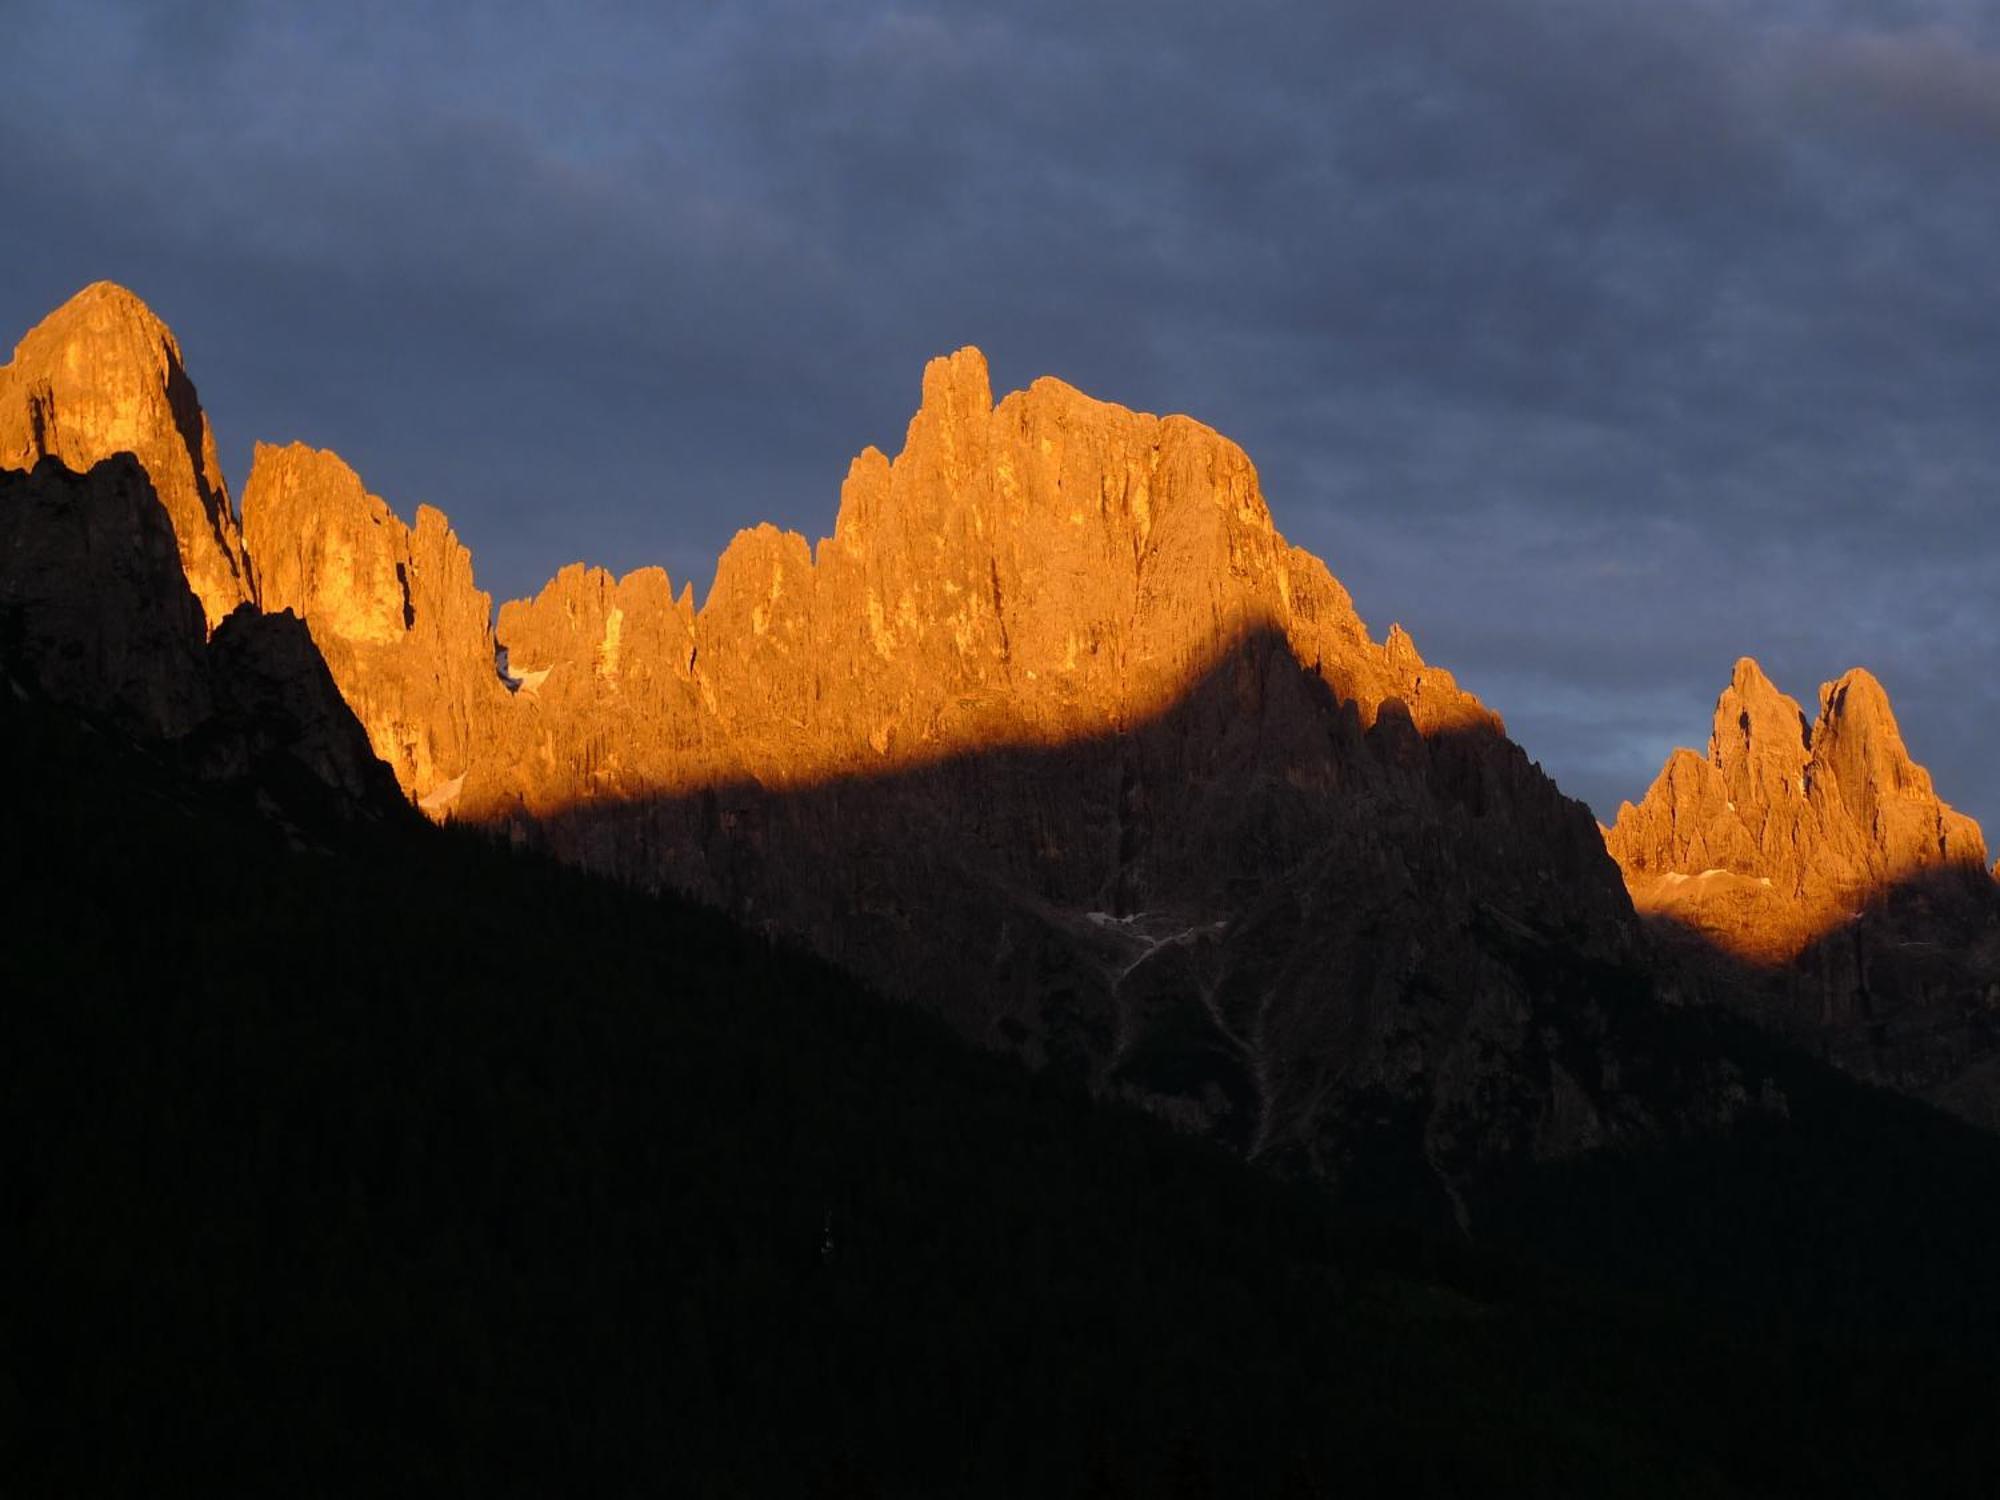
point(101, 375)
point(1056, 733)
point(1789, 826)
point(1028, 574)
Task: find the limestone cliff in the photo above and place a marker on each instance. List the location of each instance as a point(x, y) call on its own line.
point(1806, 871)
point(391, 607)
point(1789, 826)
point(102, 375)
point(1029, 574)
point(1054, 733)
point(1034, 573)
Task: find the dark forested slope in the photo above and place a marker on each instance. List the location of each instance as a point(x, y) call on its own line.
point(362, 1157)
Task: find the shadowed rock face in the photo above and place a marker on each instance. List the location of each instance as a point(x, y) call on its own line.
point(1818, 854)
point(1056, 734)
point(96, 616)
point(96, 608)
point(101, 375)
point(1361, 952)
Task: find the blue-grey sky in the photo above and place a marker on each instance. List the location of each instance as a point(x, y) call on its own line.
point(1597, 341)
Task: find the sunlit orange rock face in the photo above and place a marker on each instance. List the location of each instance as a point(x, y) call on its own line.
point(1028, 574)
point(1852, 906)
point(100, 376)
point(1055, 735)
point(1034, 573)
point(392, 608)
point(1789, 826)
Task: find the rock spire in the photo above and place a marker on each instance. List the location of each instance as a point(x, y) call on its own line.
point(1789, 826)
point(392, 608)
point(101, 375)
point(1054, 733)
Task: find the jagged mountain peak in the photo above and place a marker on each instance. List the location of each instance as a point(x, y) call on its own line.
point(1809, 875)
point(1053, 697)
point(99, 306)
point(1759, 739)
point(1789, 826)
point(392, 607)
point(1857, 688)
point(959, 383)
point(1049, 566)
point(1855, 707)
point(102, 375)
point(97, 300)
point(1753, 693)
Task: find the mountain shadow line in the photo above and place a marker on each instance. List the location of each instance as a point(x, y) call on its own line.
point(1905, 992)
point(1395, 963)
point(281, 1099)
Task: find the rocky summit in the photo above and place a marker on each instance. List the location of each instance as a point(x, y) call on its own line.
point(1806, 870)
point(1055, 735)
point(101, 375)
point(392, 608)
point(1789, 826)
point(1030, 574)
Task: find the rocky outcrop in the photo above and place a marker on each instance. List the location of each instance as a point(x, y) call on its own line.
point(96, 618)
point(391, 607)
point(281, 727)
point(607, 704)
point(1030, 574)
point(100, 376)
point(1806, 871)
point(1789, 827)
point(1056, 734)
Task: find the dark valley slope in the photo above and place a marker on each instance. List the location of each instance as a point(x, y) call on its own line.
point(347, 1154)
point(97, 616)
point(1056, 736)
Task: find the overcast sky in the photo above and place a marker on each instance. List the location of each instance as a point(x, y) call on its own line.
point(1599, 343)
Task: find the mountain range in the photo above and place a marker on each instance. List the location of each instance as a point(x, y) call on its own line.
point(1057, 739)
point(1057, 724)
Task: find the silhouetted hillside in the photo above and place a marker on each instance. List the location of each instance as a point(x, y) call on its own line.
point(1368, 986)
point(350, 1158)
point(345, 1154)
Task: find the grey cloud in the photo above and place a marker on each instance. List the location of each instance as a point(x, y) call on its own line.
point(1598, 344)
point(1931, 79)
